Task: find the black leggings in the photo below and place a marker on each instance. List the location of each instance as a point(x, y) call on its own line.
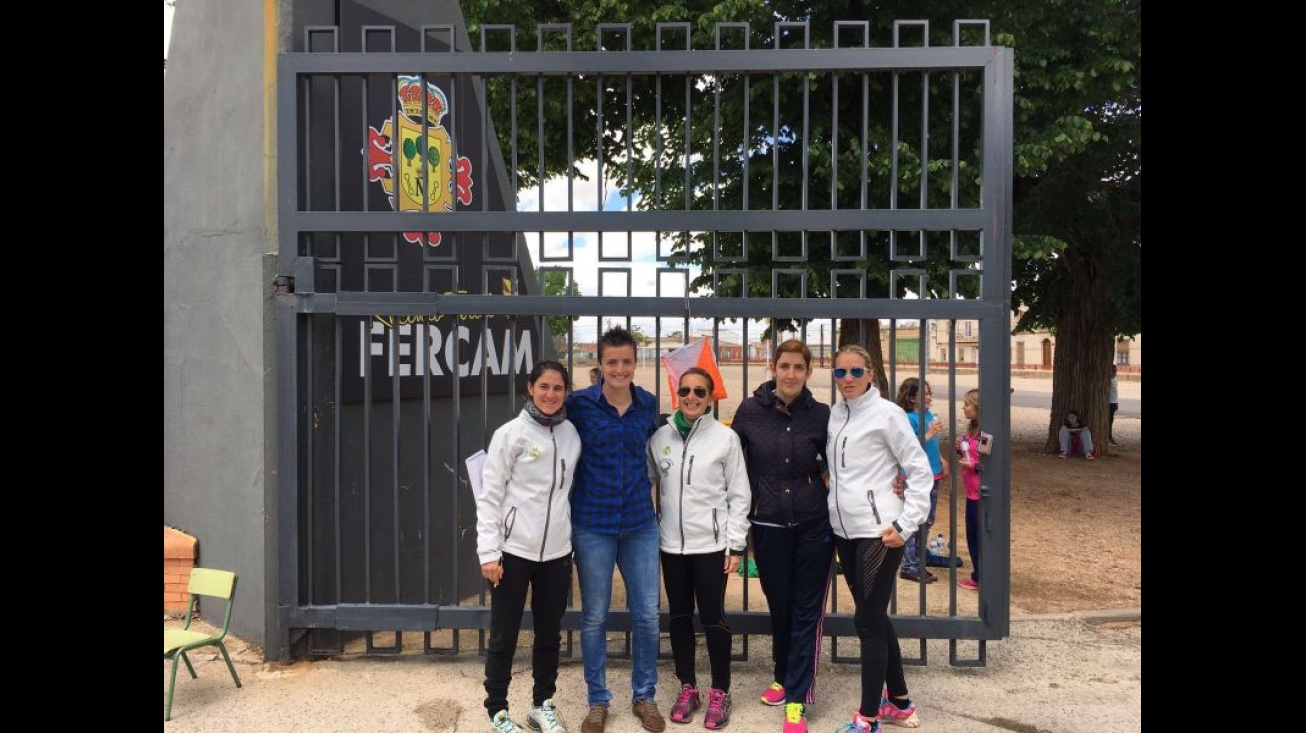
point(870, 567)
point(550, 584)
point(698, 577)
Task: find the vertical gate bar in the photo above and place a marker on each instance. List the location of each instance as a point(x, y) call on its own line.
point(716, 141)
point(336, 173)
point(395, 428)
point(689, 149)
point(657, 142)
point(339, 359)
point(954, 194)
point(925, 148)
point(863, 161)
point(744, 393)
point(598, 139)
point(630, 147)
point(954, 474)
point(423, 357)
point(893, 152)
point(284, 568)
point(455, 406)
point(922, 535)
point(288, 494)
point(746, 149)
point(487, 431)
point(996, 359)
point(571, 153)
point(307, 82)
point(805, 141)
point(834, 150)
point(775, 150)
point(310, 478)
point(892, 359)
point(539, 134)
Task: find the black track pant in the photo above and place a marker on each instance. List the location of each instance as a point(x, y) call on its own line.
point(550, 584)
point(870, 568)
point(698, 577)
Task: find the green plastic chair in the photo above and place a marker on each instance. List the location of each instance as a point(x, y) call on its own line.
point(176, 642)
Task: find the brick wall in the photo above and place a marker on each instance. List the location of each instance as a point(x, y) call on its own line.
point(178, 560)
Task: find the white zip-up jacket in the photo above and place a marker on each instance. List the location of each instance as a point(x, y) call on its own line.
point(869, 440)
point(525, 507)
point(702, 488)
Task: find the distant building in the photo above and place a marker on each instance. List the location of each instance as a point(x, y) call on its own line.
point(1032, 350)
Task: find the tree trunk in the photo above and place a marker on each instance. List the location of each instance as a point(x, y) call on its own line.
point(866, 331)
point(1085, 350)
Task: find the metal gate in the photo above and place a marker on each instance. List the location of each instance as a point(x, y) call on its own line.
point(411, 298)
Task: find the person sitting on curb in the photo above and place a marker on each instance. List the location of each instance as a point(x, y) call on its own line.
point(1076, 437)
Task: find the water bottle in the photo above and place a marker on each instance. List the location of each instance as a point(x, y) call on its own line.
point(938, 546)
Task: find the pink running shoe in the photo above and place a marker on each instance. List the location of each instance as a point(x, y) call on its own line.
point(774, 695)
point(718, 709)
point(968, 584)
point(906, 717)
point(682, 711)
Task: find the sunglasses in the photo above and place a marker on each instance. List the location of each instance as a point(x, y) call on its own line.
point(699, 392)
point(858, 372)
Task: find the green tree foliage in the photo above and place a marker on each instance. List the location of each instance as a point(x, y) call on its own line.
point(555, 282)
point(1077, 152)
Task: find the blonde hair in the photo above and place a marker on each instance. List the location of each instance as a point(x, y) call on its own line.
point(855, 349)
point(972, 398)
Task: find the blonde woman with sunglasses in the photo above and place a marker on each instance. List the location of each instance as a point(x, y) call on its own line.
point(698, 473)
point(870, 441)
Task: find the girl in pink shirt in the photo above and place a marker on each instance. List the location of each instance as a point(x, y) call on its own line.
point(968, 449)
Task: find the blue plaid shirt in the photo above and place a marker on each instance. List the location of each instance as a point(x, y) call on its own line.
point(612, 492)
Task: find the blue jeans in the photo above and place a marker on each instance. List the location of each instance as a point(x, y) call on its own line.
point(636, 555)
point(914, 556)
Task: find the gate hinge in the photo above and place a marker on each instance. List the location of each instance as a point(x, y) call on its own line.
point(283, 284)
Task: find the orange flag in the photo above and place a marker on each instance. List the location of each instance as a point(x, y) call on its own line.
point(694, 354)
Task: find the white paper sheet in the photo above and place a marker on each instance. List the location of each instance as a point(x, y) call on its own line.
point(475, 467)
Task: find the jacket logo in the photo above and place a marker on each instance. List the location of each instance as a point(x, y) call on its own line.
point(664, 466)
point(533, 452)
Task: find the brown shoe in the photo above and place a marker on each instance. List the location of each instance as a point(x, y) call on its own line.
point(647, 712)
point(595, 720)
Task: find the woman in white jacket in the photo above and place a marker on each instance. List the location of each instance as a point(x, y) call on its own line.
point(870, 442)
point(697, 468)
point(523, 538)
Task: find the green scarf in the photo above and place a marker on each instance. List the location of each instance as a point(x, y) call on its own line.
point(683, 426)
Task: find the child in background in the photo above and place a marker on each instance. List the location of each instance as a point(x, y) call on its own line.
point(1076, 437)
point(968, 448)
point(913, 558)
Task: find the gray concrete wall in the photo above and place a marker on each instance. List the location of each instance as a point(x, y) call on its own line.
point(218, 231)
